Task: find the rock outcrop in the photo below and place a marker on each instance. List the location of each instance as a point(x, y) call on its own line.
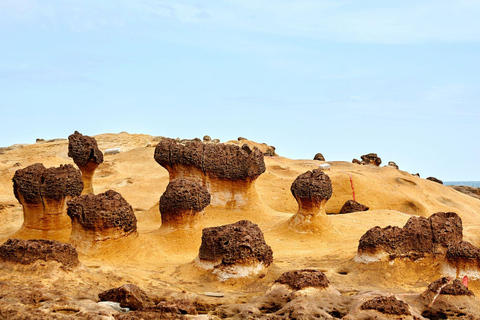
point(26, 252)
point(435, 180)
point(182, 204)
point(228, 171)
point(312, 190)
point(371, 158)
point(129, 296)
point(44, 193)
point(99, 218)
point(234, 250)
point(86, 155)
point(352, 206)
point(471, 191)
point(420, 237)
point(462, 258)
point(300, 279)
point(387, 305)
point(392, 164)
point(319, 157)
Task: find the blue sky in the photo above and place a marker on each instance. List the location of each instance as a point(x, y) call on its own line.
point(345, 78)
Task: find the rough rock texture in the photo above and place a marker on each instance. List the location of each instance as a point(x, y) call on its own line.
point(312, 190)
point(462, 258)
point(29, 251)
point(43, 194)
point(228, 171)
point(471, 191)
point(435, 180)
point(392, 164)
point(371, 158)
point(99, 217)
point(418, 238)
point(304, 278)
point(182, 203)
point(128, 295)
point(86, 155)
point(356, 161)
point(319, 157)
point(352, 206)
point(455, 288)
point(207, 139)
point(175, 309)
point(240, 243)
point(387, 305)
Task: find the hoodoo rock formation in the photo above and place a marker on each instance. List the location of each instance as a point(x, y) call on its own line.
point(462, 258)
point(352, 206)
point(99, 218)
point(420, 237)
point(312, 190)
point(392, 164)
point(387, 305)
point(319, 157)
point(182, 204)
point(86, 155)
point(234, 250)
point(44, 193)
point(27, 252)
point(228, 171)
point(371, 158)
point(300, 279)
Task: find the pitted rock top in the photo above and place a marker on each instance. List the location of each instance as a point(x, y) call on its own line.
point(446, 227)
point(387, 305)
point(102, 211)
point(456, 288)
point(463, 250)
point(241, 242)
point(36, 182)
point(224, 161)
point(304, 278)
point(83, 149)
point(352, 206)
point(29, 251)
point(312, 185)
point(183, 194)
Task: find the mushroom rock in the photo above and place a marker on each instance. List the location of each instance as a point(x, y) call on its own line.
point(228, 171)
point(352, 206)
point(128, 295)
point(234, 250)
point(392, 164)
point(387, 305)
point(435, 180)
point(44, 193)
point(319, 157)
point(420, 237)
point(300, 279)
point(100, 218)
point(86, 155)
point(182, 204)
point(371, 158)
point(207, 139)
point(461, 259)
point(312, 190)
point(27, 252)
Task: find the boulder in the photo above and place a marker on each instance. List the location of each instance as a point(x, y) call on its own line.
point(319, 157)
point(435, 180)
point(300, 279)
point(387, 305)
point(352, 206)
point(371, 158)
point(392, 164)
point(129, 296)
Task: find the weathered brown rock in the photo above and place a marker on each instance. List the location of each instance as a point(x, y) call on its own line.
point(29, 251)
point(471, 191)
point(128, 295)
point(228, 171)
point(106, 216)
point(43, 194)
point(418, 238)
point(182, 204)
point(172, 309)
point(352, 206)
point(86, 155)
point(230, 246)
point(392, 164)
point(387, 305)
point(319, 157)
point(304, 278)
point(455, 288)
point(312, 190)
point(207, 139)
point(462, 258)
point(435, 180)
point(371, 158)
point(356, 161)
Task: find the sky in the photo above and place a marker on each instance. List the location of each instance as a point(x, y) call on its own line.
point(344, 78)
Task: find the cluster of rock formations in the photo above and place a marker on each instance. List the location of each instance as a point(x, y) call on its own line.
point(370, 158)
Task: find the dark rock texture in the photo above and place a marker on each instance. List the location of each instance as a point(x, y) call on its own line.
point(471, 191)
point(315, 185)
point(352, 206)
point(392, 164)
point(435, 180)
point(35, 182)
point(83, 149)
point(456, 288)
point(371, 158)
point(387, 305)
point(103, 211)
point(419, 237)
point(463, 250)
point(356, 161)
point(304, 278)
point(319, 157)
point(239, 243)
point(28, 251)
point(172, 309)
point(128, 295)
point(223, 161)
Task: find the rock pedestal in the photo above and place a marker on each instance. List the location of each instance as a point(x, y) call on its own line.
point(86, 155)
point(44, 193)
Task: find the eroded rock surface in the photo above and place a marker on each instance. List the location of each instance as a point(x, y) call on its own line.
point(392, 164)
point(128, 295)
point(234, 250)
point(447, 287)
point(387, 305)
point(44, 193)
point(29, 251)
point(418, 238)
point(462, 258)
point(304, 278)
point(86, 155)
point(371, 158)
point(471, 191)
point(352, 206)
point(319, 157)
point(182, 204)
point(312, 190)
point(435, 180)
